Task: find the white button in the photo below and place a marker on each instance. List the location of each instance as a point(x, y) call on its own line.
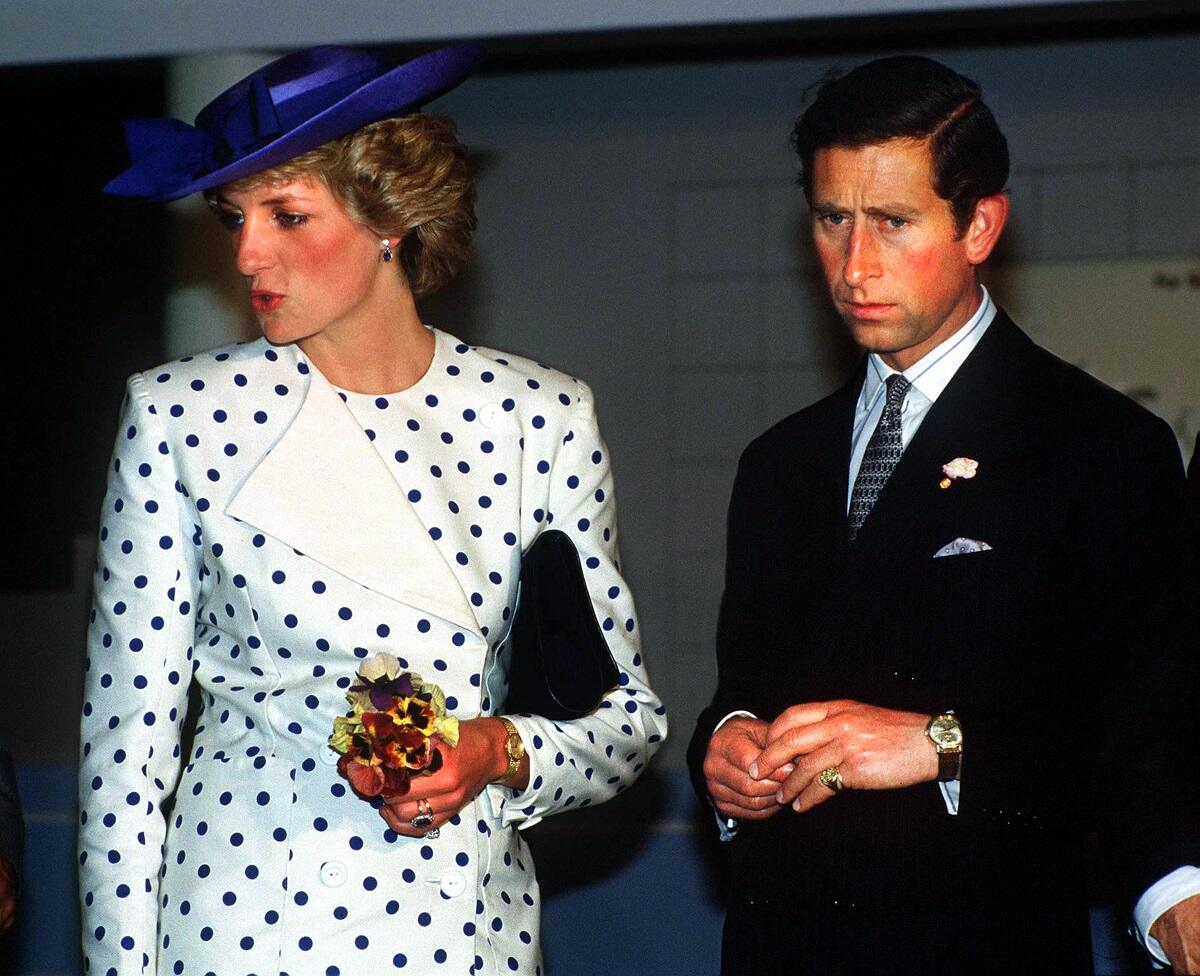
point(491, 414)
point(329, 756)
point(333, 874)
point(453, 884)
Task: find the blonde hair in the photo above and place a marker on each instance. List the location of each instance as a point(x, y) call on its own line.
point(407, 177)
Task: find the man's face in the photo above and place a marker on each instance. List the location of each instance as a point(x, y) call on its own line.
point(899, 274)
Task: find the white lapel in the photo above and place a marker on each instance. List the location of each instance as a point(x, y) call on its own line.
point(325, 491)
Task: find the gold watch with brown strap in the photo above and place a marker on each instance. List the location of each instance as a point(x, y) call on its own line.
point(946, 734)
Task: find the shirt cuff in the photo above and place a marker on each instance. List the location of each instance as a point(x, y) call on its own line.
point(1163, 894)
point(727, 827)
point(733, 714)
point(950, 791)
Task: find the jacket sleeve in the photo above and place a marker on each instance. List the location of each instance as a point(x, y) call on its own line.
point(589, 760)
point(135, 691)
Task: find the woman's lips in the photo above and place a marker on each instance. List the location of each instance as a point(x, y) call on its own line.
point(265, 301)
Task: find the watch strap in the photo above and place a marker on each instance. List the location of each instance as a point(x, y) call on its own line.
point(949, 766)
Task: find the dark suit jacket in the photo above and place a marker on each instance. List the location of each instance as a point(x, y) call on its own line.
point(1059, 649)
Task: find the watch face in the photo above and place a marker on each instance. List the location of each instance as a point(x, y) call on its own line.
point(516, 747)
point(946, 732)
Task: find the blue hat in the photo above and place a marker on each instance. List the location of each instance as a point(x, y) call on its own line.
point(284, 108)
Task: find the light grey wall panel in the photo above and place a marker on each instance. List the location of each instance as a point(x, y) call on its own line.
point(699, 503)
point(718, 320)
point(715, 413)
point(718, 229)
point(1166, 201)
point(788, 240)
point(1085, 212)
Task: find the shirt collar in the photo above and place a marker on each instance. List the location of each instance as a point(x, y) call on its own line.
point(932, 372)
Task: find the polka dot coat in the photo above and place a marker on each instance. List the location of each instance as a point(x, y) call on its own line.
point(261, 535)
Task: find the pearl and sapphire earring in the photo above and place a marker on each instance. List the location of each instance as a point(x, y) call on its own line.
point(387, 249)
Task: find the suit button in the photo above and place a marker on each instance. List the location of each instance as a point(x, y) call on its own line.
point(333, 874)
point(329, 756)
point(490, 414)
point(453, 884)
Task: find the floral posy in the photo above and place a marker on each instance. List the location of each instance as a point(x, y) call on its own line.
point(393, 729)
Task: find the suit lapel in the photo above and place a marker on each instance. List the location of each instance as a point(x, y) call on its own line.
point(324, 491)
point(826, 465)
point(814, 471)
point(970, 419)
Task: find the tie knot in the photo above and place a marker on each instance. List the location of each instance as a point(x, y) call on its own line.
point(897, 387)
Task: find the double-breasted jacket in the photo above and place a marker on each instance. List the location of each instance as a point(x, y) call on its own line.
point(259, 539)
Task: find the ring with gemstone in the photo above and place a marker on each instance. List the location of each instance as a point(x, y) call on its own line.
point(432, 834)
point(831, 779)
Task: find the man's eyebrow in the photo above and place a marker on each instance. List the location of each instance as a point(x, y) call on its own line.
point(893, 210)
point(824, 205)
point(875, 210)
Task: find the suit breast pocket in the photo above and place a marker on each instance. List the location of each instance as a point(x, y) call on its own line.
point(965, 575)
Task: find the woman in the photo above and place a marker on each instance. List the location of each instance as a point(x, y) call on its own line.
point(280, 511)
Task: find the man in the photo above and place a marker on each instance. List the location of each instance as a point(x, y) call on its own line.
point(12, 837)
point(950, 648)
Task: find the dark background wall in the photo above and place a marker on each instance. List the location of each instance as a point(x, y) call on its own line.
point(84, 281)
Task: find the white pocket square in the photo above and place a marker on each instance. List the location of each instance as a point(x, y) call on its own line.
point(960, 546)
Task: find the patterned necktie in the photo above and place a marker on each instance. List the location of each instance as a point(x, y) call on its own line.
point(882, 455)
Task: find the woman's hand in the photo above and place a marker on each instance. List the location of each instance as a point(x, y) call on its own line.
point(479, 758)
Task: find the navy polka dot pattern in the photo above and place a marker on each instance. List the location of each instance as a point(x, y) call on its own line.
point(262, 534)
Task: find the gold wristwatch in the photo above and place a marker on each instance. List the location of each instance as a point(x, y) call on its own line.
point(515, 748)
point(946, 734)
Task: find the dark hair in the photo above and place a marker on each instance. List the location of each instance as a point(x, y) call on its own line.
point(910, 97)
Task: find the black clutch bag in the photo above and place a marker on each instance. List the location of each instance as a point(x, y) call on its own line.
point(560, 665)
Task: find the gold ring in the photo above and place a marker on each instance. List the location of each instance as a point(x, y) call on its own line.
point(424, 817)
point(831, 779)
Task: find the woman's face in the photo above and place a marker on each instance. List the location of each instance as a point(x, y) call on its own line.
point(312, 271)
